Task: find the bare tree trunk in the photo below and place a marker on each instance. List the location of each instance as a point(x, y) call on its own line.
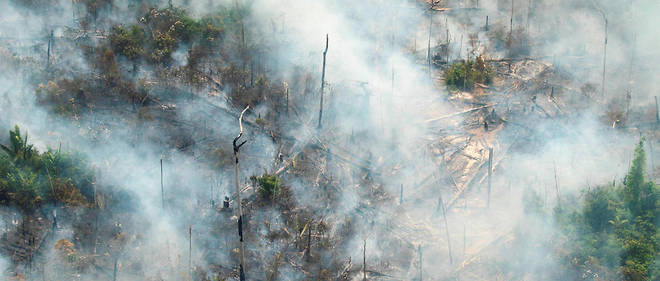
point(490, 173)
point(511, 22)
point(447, 42)
point(657, 113)
point(464, 239)
point(441, 206)
point(419, 250)
point(50, 39)
point(460, 49)
point(529, 14)
point(511, 36)
point(323, 80)
point(309, 240)
point(364, 260)
point(286, 90)
point(602, 91)
point(114, 273)
point(428, 52)
point(557, 186)
point(96, 220)
point(190, 252)
point(162, 189)
point(237, 147)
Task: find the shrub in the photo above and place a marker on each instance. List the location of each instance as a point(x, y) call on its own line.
point(269, 185)
point(463, 74)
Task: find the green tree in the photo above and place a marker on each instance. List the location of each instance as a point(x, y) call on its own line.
point(617, 226)
point(464, 74)
point(127, 42)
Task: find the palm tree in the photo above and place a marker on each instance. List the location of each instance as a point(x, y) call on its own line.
point(18, 147)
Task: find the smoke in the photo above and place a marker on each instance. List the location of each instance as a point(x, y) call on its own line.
point(376, 139)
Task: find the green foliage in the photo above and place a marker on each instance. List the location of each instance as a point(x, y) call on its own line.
point(18, 148)
point(464, 74)
point(127, 42)
point(617, 225)
point(169, 27)
point(635, 181)
point(269, 185)
point(42, 178)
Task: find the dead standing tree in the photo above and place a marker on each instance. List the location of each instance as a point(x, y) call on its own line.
point(237, 147)
point(323, 80)
point(441, 208)
point(50, 43)
point(490, 173)
point(602, 13)
point(364, 260)
point(162, 189)
point(510, 39)
point(190, 252)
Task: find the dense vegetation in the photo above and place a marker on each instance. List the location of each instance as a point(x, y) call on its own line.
point(181, 53)
point(30, 179)
point(160, 31)
point(464, 74)
point(613, 234)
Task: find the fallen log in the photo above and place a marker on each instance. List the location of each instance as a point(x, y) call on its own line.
point(460, 112)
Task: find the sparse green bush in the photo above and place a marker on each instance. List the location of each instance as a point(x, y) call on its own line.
point(464, 74)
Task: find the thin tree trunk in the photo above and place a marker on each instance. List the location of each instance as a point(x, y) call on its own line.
point(428, 52)
point(364, 260)
point(190, 251)
point(657, 113)
point(421, 269)
point(114, 272)
point(490, 173)
point(162, 189)
point(511, 36)
point(50, 39)
point(447, 42)
point(309, 240)
point(323, 80)
point(286, 89)
point(557, 186)
point(464, 240)
point(602, 91)
point(441, 205)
